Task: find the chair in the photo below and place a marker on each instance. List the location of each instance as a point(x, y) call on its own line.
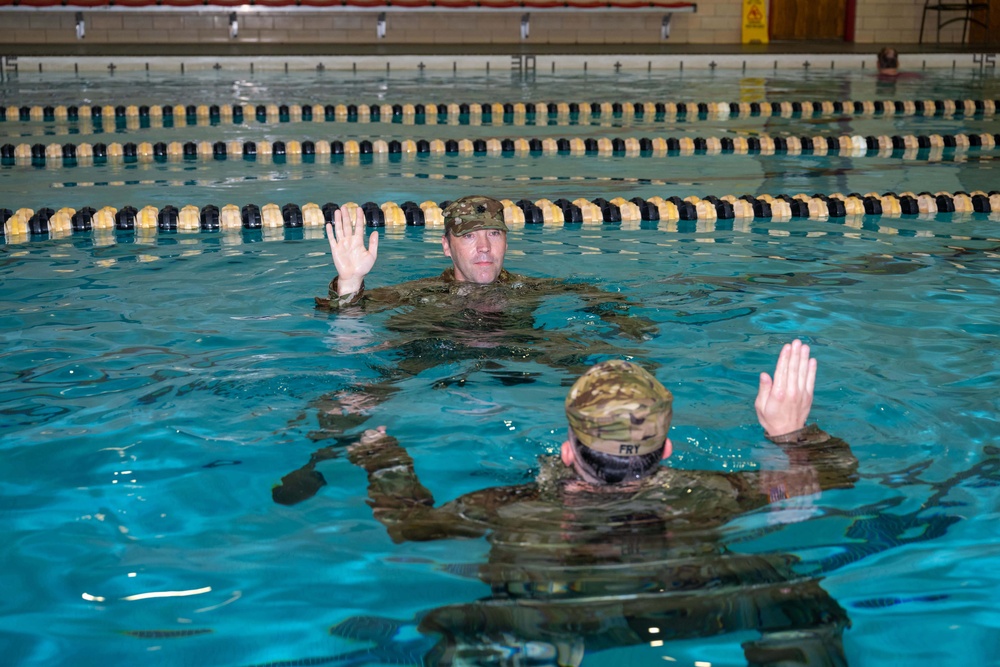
point(964, 7)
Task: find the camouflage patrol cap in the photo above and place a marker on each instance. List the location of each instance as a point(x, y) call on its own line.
point(618, 408)
point(471, 213)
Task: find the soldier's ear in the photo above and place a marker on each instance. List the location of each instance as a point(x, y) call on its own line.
point(668, 449)
point(446, 245)
point(568, 452)
point(567, 455)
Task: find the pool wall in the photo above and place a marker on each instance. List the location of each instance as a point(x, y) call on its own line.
point(519, 66)
point(158, 29)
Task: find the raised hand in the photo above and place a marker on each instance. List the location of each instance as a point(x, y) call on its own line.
point(783, 403)
point(347, 246)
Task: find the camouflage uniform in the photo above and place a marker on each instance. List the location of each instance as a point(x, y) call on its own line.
point(581, 568)
point(508, 291)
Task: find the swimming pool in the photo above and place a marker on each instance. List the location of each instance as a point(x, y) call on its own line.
point(156, 387)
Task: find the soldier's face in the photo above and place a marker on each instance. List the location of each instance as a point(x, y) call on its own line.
point(477, 256)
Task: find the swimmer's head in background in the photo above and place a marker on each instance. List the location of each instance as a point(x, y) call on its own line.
point(618, 408)
point(888, 58)
point(472, 213)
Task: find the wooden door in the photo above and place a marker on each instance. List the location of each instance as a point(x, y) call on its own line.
point(807, 19)
point(977, 33)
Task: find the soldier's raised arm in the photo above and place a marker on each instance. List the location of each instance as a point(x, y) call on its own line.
point(816, 460)
point(351, 258)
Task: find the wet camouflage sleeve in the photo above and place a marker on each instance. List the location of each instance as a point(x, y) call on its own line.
point(816, 462)
point(399, 501)
point(831, 458)
point(335, 301)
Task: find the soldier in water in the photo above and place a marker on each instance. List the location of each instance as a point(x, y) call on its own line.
point(475, 312)
point(608, 548)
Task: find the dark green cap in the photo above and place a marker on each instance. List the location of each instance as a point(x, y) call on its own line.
point(471, 213)
point(618, 408)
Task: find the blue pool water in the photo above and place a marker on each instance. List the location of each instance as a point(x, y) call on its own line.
point(154, 390)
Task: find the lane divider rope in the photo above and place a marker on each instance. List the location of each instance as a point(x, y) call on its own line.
point(494, 112)
point(70, 155)
point(24, 223)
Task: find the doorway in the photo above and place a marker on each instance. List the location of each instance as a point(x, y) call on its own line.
point(808, 19)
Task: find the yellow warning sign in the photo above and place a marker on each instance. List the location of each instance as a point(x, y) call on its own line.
point(755, 21)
